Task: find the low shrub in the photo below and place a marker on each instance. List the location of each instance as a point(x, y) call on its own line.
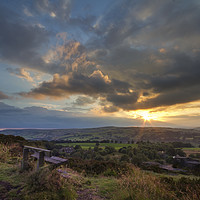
point(46, 184)
point(185, 188)
point(94, 167)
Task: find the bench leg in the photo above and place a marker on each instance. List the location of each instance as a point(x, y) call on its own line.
point(40, 162)
point(25, 159)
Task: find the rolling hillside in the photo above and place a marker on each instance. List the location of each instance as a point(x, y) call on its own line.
point(123, 134)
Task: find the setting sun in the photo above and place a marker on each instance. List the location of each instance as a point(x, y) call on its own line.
point(146, 116)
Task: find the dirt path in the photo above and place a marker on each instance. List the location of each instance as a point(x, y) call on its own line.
point(82, 192)
point(88, 194)
point(5, 187)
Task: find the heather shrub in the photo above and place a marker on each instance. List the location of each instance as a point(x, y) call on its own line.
point(94, 167)
point(46, 184)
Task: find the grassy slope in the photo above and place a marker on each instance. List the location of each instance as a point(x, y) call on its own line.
point(135, 185)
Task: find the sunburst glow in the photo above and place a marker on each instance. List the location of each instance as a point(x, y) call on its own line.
point(145, 115)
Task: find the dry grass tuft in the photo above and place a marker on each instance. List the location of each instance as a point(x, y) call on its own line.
point(9, 151)
point(142, 186)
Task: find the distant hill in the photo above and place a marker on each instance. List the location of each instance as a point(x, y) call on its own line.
point(123, 134)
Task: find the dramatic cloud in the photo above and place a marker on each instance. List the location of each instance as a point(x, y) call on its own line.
point(70, 56)
point(110, 109)
point(21, 73)
point(159, 69)
point(152, 48)
point(121, 56)
point(123, 101)
point(96, 85)
point(73, 83)
point(18, 39)
point(83, 100)
point(171, 98)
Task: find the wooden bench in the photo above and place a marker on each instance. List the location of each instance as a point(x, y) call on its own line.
point(42, 155)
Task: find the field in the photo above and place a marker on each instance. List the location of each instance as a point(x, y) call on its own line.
point(101, 145)
point(119, 134)
point(189, 151)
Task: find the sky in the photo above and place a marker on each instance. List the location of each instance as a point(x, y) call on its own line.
point(75, 63)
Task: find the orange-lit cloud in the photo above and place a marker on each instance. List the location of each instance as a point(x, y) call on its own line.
point(162, 50)
point(120, 57)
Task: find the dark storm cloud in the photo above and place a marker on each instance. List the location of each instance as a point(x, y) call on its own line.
point(16, 36)
point(73, 84)
point(128, 45)
point(20, 41)
point(96, 85)
point(150, 23)
point(145, 47)
point(132, 49)
point(125, 102)
point(162, 23)
point(83, 100)
point(110, 109)
point(178, 22)
point(178, 96)
point(153, 22)
point(182, 72)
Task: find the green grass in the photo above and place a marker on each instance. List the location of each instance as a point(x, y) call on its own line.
point(10, 173)
point(102, 145)
point(106, 185)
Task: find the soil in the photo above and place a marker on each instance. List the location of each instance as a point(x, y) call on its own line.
point(88, 194)
point(5, 187)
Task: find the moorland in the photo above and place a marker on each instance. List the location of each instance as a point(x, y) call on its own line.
point(115, 166)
